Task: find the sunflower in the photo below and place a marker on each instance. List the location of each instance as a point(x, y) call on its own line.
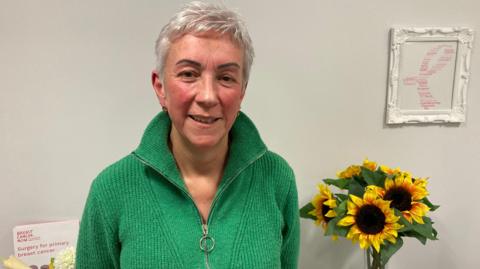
point(371, 219)
point(352, 170)
point(372, 166)
point(389, 171)
point(406, 195)
point(323, 203)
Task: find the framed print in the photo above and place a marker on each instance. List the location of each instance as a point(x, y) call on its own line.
point(429, 71)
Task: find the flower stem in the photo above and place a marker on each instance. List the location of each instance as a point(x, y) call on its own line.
point(375, 261)
point(368, 258)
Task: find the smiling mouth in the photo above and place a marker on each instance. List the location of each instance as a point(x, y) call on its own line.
point(205, 120)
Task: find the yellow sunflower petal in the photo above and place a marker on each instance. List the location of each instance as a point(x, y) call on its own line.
point(378, 191)
point(406, 174)
point(418, 219)
point(391, 239)
point(350, 235)
point(399, 180)
point(321, 187)
point(421, 182)
point(370, 165)
point(419, 193)
point(419, 209)
point(391, 218)
point(330, 203)
point(363, 241)
point(407, 216)
point(331, 214)
point(353, 233)
point(356, 200)
point(346, 221)
point(389, 184)
point(370, 196)
point(324, 191)
point(352, 208)
point(392, 232)
point(389, 171)
point(354, 230)
point(351, 171)
point(407, 180)
point(376, 244)
point(385, 169)
point(417, 213)
point(318, 200)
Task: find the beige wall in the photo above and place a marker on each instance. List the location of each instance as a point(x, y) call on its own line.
point(75, 96)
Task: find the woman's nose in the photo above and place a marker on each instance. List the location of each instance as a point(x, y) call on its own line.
point(207, 92)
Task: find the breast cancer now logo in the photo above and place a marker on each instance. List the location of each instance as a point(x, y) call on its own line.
point(434, 60)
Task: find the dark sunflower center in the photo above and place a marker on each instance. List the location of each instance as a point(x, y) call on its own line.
point(370, 219)
point(400, 197)
point(325, 210)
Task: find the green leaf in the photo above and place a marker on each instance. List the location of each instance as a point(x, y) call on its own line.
point(342, 197)
point(331, 226)
point(334, 229)
point(304, 212)
point(360, 180)
point(373, 178)
point(417, 230)
point(389, 249)
point(426, 229)
point(379, 171)
point(429, 204)
point(341, 230)
point(435, 233)
point(422, 232)
point(356, 189)
point(416, 235)
point(407, 226)
point(341, 209)
point(341, 183)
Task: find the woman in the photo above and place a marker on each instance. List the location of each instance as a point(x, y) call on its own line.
point(201, 190)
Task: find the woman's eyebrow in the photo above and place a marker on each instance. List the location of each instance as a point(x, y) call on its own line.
point(226, 65)
point(188, 62)
point(199, 65)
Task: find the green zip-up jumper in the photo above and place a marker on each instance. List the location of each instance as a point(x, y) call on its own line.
point(139, 213)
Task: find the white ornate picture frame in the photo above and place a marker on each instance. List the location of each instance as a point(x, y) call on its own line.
point(429, 71)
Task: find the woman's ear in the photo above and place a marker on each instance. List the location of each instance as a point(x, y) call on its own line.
point(159, 88)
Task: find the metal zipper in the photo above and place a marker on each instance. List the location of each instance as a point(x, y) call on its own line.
point(204, 244)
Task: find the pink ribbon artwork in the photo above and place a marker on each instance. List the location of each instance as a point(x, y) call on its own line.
point(442, 54)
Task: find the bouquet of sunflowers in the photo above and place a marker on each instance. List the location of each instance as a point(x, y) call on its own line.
point(378, 207)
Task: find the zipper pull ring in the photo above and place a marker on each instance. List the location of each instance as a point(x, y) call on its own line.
point(207, 243)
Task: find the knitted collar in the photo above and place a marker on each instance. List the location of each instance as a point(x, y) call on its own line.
point(246, 146)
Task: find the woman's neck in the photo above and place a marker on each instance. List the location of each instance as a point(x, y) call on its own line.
point(205, 163)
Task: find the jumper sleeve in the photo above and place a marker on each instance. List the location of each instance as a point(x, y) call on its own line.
point(291, 231)
point(97, 245)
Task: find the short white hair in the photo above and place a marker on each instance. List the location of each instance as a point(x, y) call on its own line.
point(200, 17)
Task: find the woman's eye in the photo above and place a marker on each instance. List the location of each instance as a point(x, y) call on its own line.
point(228, 79)
point(188, 75)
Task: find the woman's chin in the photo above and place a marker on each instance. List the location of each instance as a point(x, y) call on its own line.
point(206, 142)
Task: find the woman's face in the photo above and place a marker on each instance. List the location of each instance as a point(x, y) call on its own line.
point(202, 88)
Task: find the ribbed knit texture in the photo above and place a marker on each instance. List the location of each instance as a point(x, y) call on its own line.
point(139, 213)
